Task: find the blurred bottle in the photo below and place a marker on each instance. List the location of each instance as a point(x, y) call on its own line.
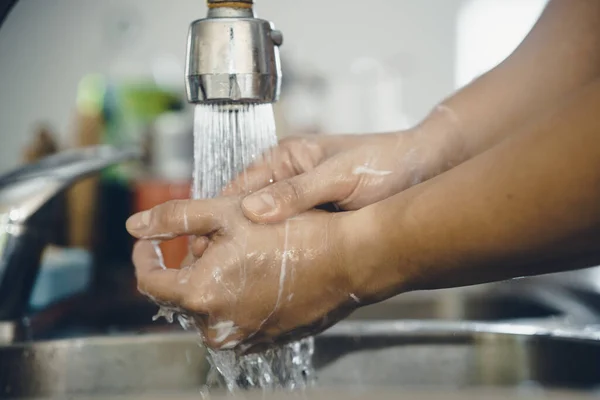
point(169, 172)
point(141, 86)
point(366, 99)
point(299, 110)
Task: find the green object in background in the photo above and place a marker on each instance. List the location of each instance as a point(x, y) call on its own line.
point(90, 94)
point(128, 108)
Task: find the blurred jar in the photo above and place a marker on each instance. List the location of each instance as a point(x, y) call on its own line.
point(366, 99)
point(151, 192)
point(299, 110)
point(170, 159)
point(172, 146)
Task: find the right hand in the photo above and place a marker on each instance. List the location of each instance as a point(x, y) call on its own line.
point(349, 171)
point(251, 284)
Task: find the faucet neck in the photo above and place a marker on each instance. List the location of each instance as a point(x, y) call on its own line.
point(230, 8)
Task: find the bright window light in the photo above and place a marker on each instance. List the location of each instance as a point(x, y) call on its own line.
point(489, 31)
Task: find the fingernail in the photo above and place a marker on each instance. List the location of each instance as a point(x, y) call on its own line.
point(259, 204)
point(139, 222)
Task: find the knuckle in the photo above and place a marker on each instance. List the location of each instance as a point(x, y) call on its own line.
point(166, 213)
point(289, 190)
point(194, 304)
point(286, 140)
point(203, 304)
point(142, 287)
point(286, 164)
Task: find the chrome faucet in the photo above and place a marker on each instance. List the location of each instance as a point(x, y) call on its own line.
point(26, 216)
point(232, 56)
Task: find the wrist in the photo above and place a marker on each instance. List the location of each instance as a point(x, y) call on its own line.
point(439, 140)
point(369, 257)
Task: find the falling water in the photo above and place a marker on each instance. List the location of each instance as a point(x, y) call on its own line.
point(228, 138)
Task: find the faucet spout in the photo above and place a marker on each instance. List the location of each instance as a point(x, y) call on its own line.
point(233, 57)
point(26, 197)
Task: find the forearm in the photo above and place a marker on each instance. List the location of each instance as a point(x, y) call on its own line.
point(560, 55)
point(530, 205)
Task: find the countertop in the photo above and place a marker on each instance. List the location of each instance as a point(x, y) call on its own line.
point(379, 394)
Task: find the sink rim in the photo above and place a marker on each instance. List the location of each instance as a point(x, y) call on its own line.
point(398, 328)
point(544, 328)
point(394, 334)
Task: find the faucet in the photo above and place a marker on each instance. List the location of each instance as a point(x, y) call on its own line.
point(232, 56)
point(27, 198)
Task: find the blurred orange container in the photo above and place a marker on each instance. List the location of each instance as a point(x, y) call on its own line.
point(152, 192)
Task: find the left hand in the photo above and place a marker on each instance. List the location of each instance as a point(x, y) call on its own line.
point(248, 284)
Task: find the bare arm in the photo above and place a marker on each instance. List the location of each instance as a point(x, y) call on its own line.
point(559, 56)
point(527, 206)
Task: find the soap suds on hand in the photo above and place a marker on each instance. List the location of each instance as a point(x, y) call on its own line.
point(224, 330)
point(363, 170)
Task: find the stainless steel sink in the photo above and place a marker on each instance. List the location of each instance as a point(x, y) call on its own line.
point(104, 357)
point(395, 354)
point(506, 301)
point(509, 301)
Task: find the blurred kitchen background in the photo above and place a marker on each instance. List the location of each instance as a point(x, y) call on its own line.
point(81, 72)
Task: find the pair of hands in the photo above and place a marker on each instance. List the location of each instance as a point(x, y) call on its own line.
point(268, 268)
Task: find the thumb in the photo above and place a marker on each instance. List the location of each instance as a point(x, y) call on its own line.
point(293, 196)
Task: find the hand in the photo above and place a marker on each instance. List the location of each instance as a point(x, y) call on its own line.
point(248, 284)
point(351, 172)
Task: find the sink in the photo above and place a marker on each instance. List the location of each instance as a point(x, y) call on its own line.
point(506, 301)
point(407, 354)
point(107, 345)
point(90, 315)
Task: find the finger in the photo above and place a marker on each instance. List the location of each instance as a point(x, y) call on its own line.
point(178, 218)
point(329, 182)
point(272, 166)
point(199, 246)
point(292, 157)
point(160, 284)
point(188, 260)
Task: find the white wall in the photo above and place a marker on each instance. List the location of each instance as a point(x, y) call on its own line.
point(46, 46)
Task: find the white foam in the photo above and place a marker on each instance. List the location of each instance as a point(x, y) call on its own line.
point(224, 330)
point(186, 225)
point(162, 237)
point(159, 254)
point(230, 345)
point(363, 170)
point(185, 273)
point(166, 313)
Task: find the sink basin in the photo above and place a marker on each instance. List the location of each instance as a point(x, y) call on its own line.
point(510, 301)
point(513, 300)
point(373, 348)
point(408, 354)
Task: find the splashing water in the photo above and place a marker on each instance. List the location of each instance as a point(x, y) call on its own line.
point(227, 139)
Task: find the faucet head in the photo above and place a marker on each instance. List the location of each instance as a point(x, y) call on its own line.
point(232, 56)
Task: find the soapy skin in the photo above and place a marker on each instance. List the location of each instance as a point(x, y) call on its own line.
point(560, 56)
point(243, 287)
point(349, 171)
